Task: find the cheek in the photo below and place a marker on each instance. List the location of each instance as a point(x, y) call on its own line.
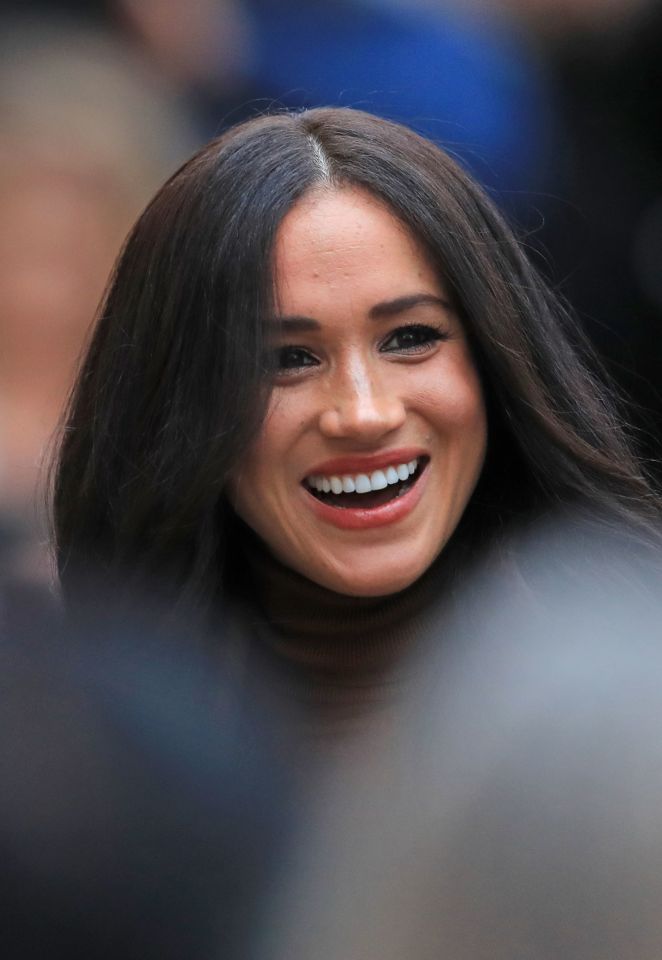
point(265, 463)
point(452, 402)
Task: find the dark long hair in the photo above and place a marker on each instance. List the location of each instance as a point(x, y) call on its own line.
point(173, 386)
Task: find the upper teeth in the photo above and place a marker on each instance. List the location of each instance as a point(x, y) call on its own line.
point(363, 482)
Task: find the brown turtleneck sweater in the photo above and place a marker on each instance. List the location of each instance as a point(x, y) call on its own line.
point(340, 660)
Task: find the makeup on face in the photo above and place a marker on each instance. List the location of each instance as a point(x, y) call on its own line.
point(376, 430)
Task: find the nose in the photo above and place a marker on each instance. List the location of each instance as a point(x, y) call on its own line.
point(361, 405)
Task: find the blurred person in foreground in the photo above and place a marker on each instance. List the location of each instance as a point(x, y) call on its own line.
point(324, 382)
point(518, 813)
point(86, 132)
point(142, 814)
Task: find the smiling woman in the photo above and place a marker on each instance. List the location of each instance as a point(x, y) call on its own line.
point(375, 434)
point(324, 380)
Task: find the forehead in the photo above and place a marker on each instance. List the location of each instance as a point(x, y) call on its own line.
point(348, 240)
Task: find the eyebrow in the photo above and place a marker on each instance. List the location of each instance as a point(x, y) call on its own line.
point(387, 308)
point(391, 308)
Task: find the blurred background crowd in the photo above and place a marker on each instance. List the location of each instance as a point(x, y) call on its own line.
point(553, 104)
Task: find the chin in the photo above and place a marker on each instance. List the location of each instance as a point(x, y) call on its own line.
point(377, 584)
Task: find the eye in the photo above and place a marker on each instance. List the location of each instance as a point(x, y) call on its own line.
point(413, 338)
point(292, 359)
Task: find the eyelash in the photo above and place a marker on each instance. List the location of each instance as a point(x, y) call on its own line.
point(425, 336)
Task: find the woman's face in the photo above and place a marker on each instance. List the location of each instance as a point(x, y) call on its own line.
point(376, 429)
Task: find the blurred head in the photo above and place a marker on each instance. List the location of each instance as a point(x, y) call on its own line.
point(308, 292)
point(143, 813)
point(518, 812)
point(87, 132)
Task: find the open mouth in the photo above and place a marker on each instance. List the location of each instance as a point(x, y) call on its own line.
point(367, 491)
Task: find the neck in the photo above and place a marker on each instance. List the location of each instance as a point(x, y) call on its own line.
point(338, 656)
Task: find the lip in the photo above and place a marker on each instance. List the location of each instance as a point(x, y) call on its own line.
point(362, 518)
point(366, 463)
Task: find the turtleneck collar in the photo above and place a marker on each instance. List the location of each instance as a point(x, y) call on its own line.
point(337, 656)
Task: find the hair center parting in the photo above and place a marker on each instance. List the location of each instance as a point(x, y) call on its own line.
point(320, 158)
